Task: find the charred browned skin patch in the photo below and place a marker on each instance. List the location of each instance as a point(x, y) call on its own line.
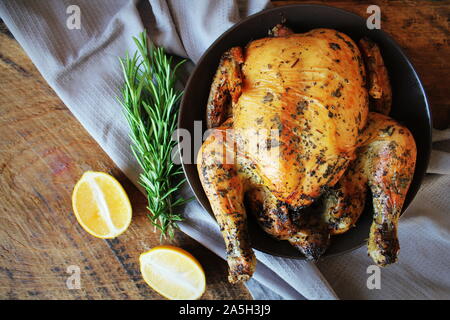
point(378, 83)
point(225, 88)
point(385, 244)
point(344, 202)
point(304, 231)
point(312, 237)
point(280, 30)
point(271, 214)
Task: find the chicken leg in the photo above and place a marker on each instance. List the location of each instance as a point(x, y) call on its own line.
point(225, 191)
point(307, 232)
point(385, 163)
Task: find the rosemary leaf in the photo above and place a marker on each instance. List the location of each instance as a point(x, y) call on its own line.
point(150, 102)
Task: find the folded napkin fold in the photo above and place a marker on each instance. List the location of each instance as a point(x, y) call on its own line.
point(81, 66)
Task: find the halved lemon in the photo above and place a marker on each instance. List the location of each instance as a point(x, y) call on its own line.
point(173, 272)
point(101, 205)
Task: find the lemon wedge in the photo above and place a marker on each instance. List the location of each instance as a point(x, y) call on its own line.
point(173, 272)
point(101, 205)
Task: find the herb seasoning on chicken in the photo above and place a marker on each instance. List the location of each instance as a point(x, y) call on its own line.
point(310, 89)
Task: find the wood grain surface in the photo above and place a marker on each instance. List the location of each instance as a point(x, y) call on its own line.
point(44, 151)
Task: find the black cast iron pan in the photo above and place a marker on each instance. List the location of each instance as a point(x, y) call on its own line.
point(410, 106)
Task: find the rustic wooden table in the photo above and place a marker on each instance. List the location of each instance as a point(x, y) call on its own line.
point(44, 151)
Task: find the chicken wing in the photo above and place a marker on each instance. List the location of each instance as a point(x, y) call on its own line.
point(225, 88)
point(378, 83)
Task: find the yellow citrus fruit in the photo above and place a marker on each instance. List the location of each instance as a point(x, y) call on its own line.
point(101, 205)
point(173, 272)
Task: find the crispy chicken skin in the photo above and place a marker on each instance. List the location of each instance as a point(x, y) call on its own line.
point(309, 88)
point(305, 232)
point(387, 161)
point(226, 87)
point(280, 30)
point(225, 191)
point(379, 86)
point(291, 113)
point(344, 202)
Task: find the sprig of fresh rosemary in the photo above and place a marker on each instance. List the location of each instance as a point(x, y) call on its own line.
point(150, 102)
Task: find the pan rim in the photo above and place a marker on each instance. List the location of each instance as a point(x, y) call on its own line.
point(392, 42)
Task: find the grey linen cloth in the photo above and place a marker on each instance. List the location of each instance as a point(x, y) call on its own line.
point(82, 67)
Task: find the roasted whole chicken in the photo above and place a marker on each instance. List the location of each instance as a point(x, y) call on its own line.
point(300, 119)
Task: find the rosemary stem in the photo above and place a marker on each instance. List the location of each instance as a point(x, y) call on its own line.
point(150, 103)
